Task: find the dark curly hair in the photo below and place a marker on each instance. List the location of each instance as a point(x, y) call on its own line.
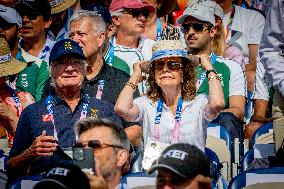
point(188, 88)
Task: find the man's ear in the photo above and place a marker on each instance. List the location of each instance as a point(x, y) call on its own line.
point(48, 23)
point(101, 39)
point(116, 20)
point(122, 157)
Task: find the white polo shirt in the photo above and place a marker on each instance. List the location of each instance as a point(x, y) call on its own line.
point(250, 23)
point(194, 122)
point(260, 88)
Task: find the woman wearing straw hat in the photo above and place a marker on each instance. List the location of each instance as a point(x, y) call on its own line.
point(12, 102)
point(157, 27)
point(171, 111)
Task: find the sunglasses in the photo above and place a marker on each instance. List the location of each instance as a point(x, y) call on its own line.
point(31, 15)
point(137, 12)
point(172, 64)
point(197, 26)
point(95, 144)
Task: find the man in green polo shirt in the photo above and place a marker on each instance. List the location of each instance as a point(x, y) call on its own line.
point(34, 76)
point(198, 24)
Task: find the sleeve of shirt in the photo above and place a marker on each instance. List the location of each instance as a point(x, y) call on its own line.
point(237, 84)
point(256, 25)
point(42, 77)
point(203, 100)
point(23, 138)
point(108, 112)
point(140, 101)
point(272, 47)
point(260, 88)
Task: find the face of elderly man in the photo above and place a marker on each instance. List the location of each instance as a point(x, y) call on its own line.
point(68, 72)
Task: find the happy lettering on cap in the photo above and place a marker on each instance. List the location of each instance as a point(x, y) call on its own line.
point(178, 154)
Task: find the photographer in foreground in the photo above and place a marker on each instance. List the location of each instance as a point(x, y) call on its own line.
point(111, 150)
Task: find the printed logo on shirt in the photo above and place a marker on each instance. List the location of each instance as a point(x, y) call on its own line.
point(24, 80)
point(221, 77)
point(94, 113)
point(46, 118)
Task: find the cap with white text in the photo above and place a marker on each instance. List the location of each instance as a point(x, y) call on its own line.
point(183, 159)
point(65, 176)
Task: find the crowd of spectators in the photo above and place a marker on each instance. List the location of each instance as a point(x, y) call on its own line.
point(133, 77)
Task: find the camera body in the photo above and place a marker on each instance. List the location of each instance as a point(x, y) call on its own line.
point(84, 158)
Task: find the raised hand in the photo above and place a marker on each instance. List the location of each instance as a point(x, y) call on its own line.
point(43, 145)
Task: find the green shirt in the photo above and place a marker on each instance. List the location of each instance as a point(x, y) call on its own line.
point(32, 79)
point(223, 72)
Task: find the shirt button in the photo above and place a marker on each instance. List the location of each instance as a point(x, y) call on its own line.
point(68, 113)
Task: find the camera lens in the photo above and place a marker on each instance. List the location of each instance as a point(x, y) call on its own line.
point(78, 154)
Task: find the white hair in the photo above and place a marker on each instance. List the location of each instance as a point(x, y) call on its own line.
point(99, 24)
point(117, 13)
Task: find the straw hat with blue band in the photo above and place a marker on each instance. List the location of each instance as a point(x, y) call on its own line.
point(8, 64)
point(165, 49)
point(168, 48)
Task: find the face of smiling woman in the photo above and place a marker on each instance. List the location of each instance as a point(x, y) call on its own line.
point(168, 72)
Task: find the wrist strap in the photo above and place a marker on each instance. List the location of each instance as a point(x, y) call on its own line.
point(131, 84)
point(214, 77)
point(209, 71)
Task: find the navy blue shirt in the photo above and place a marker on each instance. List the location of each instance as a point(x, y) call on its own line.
point(33, 121)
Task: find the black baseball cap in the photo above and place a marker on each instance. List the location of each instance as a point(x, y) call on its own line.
point(41, 7)
point(65, 176)
point(185, 160)
point(66, 47)
point(100, 10)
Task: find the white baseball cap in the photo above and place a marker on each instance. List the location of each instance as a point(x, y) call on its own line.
point(10, 15)
point(214, 7)
point(199, 12)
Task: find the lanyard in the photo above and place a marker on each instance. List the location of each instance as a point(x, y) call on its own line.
point(230, 23)
point(18, 54)
point(49, 107)
point(16, 100)
point(177, 120)
point(110, 54)
point(159, 30)
point(101, 84)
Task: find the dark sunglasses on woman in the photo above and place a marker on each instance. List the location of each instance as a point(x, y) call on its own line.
point(173, 64)
point(137, 12)
point(197, 26)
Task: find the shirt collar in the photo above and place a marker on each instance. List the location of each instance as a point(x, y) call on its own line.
point(140, 44)
point(104, 73)
point(56, 100)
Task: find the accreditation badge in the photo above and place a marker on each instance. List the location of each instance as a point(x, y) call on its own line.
point(152, 151)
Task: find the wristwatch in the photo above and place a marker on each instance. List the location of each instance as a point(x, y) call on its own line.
point(209, 71)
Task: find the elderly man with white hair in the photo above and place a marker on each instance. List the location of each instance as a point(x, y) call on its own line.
point(48, 124)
